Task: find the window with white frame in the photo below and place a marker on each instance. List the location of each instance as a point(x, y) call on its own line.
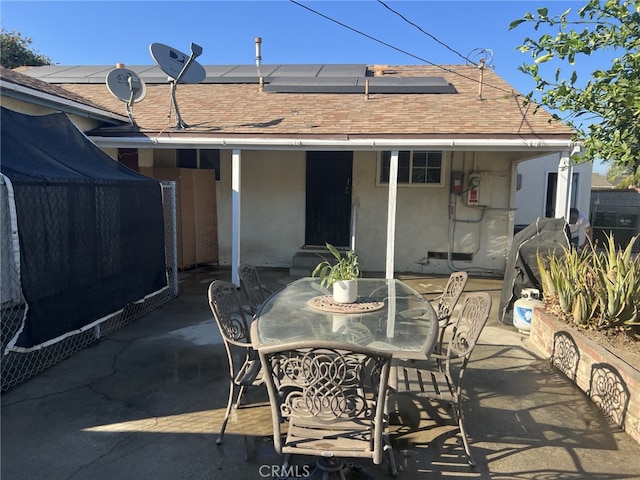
point(415, 167)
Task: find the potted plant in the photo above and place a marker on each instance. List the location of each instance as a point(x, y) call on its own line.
point(340, 273)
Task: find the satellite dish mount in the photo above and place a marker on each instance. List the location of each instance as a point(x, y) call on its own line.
point(180, 69)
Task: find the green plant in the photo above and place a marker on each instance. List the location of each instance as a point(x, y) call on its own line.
point(595, 290)
point(341, 267)
point(569, 280)
point(619, 286)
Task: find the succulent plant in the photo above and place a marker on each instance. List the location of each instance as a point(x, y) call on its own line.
point(598, 290)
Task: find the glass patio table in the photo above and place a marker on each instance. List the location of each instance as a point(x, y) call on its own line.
point(388, 316)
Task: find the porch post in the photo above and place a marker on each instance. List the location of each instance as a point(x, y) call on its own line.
point(563, 185)
point(391, 214)
point(235, 216)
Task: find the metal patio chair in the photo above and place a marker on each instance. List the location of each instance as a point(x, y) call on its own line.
point(244, 363)
point(446, 302)
point(333, 397)
point(253, 288)
point(435, 379)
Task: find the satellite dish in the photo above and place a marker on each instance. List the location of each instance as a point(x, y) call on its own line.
point(180, 68)
point(125, 85)
point(172, 62)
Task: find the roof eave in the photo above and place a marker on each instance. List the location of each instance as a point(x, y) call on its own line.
point(36, 97)
point(296, 143)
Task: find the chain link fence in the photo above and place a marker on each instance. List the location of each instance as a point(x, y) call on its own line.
point(18, 366)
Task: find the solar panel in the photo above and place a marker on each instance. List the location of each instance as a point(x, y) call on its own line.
point(302, 78)
point(249, 73)
point(320, 70)
point(313, 85)
point(409, 85)
point(48, 71)
point(333, 70)
point(358, 85)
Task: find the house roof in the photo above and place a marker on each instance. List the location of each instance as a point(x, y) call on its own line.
point(401, 103)
point(599, 182)
point(18, 85)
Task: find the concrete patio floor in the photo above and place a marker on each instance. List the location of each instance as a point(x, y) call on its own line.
point(147, 402)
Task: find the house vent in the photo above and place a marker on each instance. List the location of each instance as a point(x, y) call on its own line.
point(455, 256)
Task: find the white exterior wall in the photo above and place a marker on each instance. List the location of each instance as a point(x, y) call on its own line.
point(531, 198)
point(273, 213)
point(272, 203)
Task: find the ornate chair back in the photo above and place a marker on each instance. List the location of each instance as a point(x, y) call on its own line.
point(253, 288)
point(243, 360)
point(334, 397)
point(446, 302)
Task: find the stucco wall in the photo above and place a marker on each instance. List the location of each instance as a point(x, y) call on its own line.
point(273, 213)
point(272, 207)
point(423, 224)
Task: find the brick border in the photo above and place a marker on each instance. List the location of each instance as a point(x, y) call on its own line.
point(607, 379)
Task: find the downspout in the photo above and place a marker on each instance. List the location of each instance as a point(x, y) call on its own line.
point(453, 200)
point(452, 207)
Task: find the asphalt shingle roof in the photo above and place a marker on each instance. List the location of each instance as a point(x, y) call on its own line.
point(221, 109)
point(17, 78)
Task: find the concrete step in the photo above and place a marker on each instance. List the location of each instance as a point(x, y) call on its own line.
point(305, 261)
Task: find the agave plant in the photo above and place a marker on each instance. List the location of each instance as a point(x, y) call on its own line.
point(619, 284)
point(568, 279)
point(548, 287)
point(598, 290)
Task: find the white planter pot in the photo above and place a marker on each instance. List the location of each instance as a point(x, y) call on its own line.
point(345, 291)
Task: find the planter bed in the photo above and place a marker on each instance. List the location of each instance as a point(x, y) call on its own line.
point(611, 382)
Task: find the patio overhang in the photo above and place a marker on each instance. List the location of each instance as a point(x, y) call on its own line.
point(539, 144)
point(527, 146)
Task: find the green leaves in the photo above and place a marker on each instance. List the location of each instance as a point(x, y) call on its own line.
point(15, 51)
point(597, 289)
point(515, 23)
point(544, 58)
point(341, 267)
point(609, 97)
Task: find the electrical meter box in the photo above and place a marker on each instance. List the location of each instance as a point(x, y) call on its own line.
point(456, 181)
point(475, 190)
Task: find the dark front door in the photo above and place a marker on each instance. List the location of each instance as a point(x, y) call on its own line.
point(328, 208)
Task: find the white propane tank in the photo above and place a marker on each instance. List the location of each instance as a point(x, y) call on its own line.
point(523, 309)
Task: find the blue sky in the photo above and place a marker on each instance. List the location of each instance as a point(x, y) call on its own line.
point(105, 33)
